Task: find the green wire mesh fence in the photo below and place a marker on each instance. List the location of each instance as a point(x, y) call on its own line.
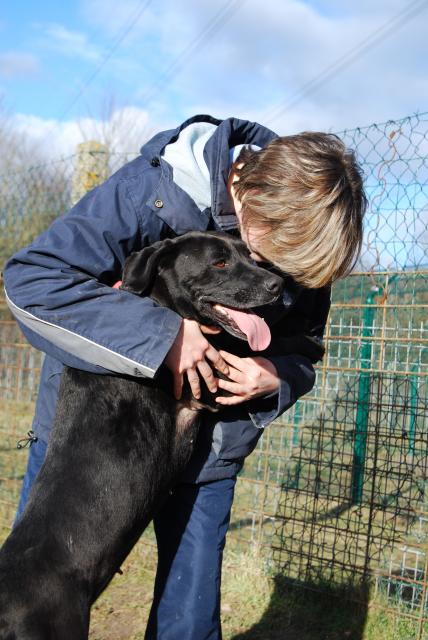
point(336, 494)
point(338, 491)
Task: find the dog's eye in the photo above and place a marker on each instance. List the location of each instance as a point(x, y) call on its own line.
point(220, 264)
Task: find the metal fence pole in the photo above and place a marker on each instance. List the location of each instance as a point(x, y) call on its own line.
point(363, 402)
point(413, 407)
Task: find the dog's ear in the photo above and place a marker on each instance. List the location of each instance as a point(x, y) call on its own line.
point(141, 267)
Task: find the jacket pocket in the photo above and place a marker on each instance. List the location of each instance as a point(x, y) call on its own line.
point(235, 437)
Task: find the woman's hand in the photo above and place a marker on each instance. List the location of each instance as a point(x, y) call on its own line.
point(188, 356)
point(249, 378)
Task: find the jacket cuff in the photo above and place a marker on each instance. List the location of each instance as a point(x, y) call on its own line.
point(164, 339)
point(297, 377)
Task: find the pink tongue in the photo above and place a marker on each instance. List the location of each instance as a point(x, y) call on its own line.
point(254, 327)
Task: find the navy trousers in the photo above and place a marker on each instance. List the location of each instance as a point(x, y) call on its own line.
point(36, 458)
point(190, 531)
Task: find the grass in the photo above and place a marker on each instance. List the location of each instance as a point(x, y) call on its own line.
point(257, 603)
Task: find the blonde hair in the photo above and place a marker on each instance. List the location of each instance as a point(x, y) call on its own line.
point(304, 195)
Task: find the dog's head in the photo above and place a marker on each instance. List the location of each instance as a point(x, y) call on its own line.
point(207, 277)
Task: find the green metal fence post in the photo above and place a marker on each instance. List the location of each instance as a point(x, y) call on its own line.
point(362, 417)
point(296, 423)
point(413, 410)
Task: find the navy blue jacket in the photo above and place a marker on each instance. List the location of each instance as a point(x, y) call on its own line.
point(59, 287)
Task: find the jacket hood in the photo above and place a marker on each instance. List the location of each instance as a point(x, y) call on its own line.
point(198, 153)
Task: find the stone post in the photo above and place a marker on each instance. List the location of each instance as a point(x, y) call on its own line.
point(91, 168)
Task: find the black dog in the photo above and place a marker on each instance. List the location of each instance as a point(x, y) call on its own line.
point(118, 444)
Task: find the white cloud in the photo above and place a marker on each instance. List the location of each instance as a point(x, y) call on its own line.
point(15, 64)
point(125, 132)
point(252, 63)
point(114, 18)
point(265, 53)
point(69, 43)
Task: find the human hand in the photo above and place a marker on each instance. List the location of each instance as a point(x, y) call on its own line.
point(188, 356)
point(249, 378)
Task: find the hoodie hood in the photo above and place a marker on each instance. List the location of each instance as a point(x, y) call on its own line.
point(186, 157)
point(199, 154)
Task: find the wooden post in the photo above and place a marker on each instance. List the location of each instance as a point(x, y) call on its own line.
point(91, 168)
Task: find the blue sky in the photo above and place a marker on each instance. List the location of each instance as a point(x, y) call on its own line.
point(158, 62)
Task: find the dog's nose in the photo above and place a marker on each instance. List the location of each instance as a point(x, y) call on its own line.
point(274, 285)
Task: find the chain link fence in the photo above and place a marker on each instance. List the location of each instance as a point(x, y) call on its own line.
point(336, 494)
